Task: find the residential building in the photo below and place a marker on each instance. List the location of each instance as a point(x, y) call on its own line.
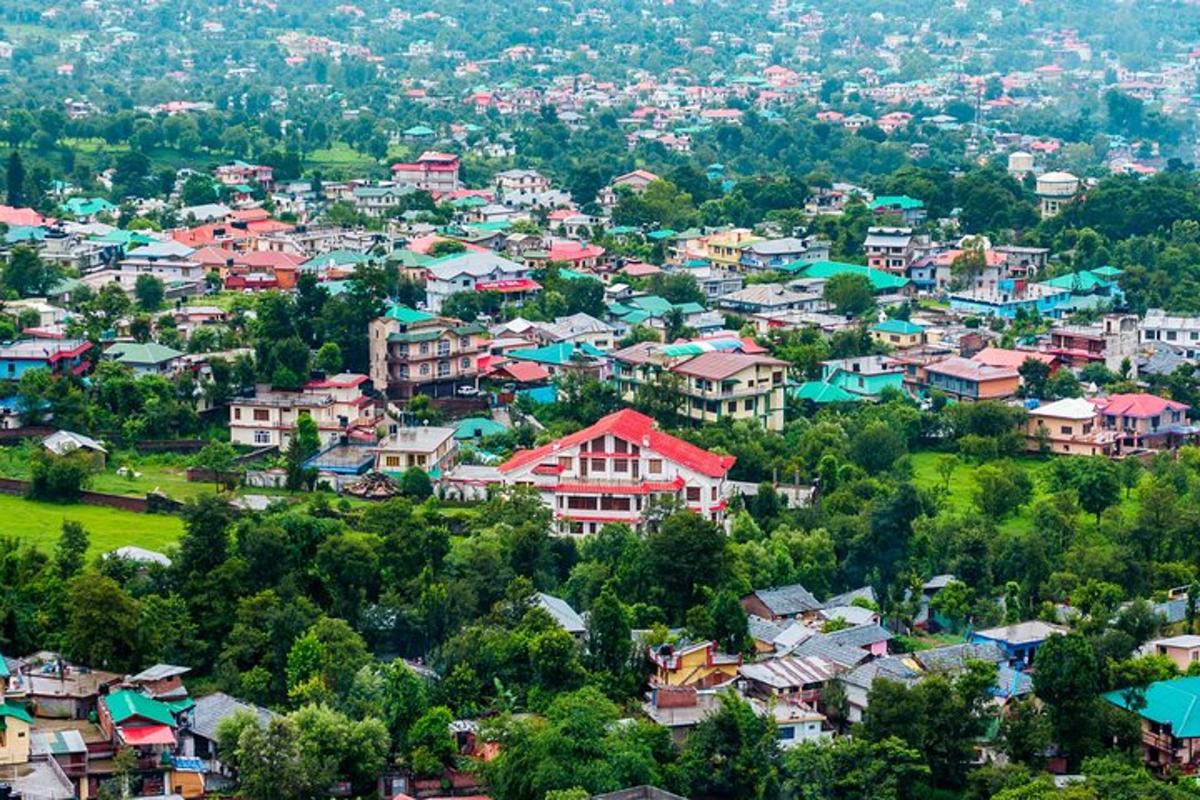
point(635, 181)
point(964, 379)
point(430, 448)
point(379, 201)
point(725, 249)
point(146, 728)
point(432, 172)
point(150, 358)
point(865, 376)
point(520, 181)
point(1170, 715)
point(1146, 420)
point(898, 333)
point(1159, 326)
point(910, 210)
point(616, 470)
point(337, 404)
point(771, 254)
point(1184, 650)
point(765, 298)
point(15, 725)
point(700, 665)
point(58, 356)
point(198, 738)
point(1010, 297)
point(890, 249)
point(681, 708)
point(476, 272)
point(239, 173)
point(415, 353)
point(560, 610)
point(580, 329)
point(714, 379)
point(1070, 426)
point(782, 602)
point(1019, 642)
point(882, 282)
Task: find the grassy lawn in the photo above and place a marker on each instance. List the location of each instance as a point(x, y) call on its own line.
point(39, 524)
point(339, 156)
point(222, 300)
point(962, 488)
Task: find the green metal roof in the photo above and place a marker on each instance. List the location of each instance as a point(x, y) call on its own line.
point(16, 712)
point(651, 304)
point(899, 326)
point(1175, 702)
point(1083, 281)
point(337, 258)
point(136, 354)
point(901, 201)
point(821, 393)
point(3, 667)
point(408, 315)
point(659, 235)
point(880, 280)
point(559, 355)
point(477, 428)
point(126, 704)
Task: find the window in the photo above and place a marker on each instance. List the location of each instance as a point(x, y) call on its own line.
point(693, 494)
point(391, 461)
point(620, 465)
point(424, 369)
point(464, 363)
point(424, 348)
point(787, 732)
point(1067, 429)
point(237, 413)
point(748, 405)
point(597, 465)
point(443, 348)
point(262, 437)
point(261, 415)
point(656, 465)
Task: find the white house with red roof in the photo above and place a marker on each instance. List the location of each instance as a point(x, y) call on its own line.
point(637, 181)
point(617, 470)
point(433, 172)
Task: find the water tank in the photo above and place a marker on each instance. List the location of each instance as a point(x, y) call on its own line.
point(1057, 184)
point(1020, 162)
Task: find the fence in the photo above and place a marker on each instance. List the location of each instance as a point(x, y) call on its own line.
point(19, 488)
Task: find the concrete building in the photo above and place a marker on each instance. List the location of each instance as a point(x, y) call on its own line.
point(1055, 190)
point(337, 404)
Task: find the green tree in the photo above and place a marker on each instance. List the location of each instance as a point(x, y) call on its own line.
point(218, 459)
point(608, 643)
point(15, 180)
point(149, 292)
point(850, 294)
point(329, 358)
point(71, 549)
point(732, 754)
point(1000, 489)
point(102, 623)
point(431, 744)
point(26, 274)
point(1098, 483)
point(1065, 678)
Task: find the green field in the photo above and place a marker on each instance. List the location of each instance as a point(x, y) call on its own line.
point(962, 488)
point(39, 524)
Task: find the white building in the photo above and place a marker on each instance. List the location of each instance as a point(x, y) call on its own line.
point(471, 272)
point(617, 470)
point(337, 404)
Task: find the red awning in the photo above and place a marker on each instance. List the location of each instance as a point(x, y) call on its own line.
point(517, 285)
point(147, 734)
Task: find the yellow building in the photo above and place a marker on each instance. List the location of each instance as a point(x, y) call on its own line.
point(898, 333)
point(15, 726)
point(724, 250)
point(698, 665)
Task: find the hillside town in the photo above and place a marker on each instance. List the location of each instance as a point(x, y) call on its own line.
point(606, 401)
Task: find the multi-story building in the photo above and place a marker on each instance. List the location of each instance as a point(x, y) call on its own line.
point(337, 404)
point(964, 379)
point(1146, 420)
point(476, 272)
point(620, 470)
point(521, 181)
point(1178, 329)
point(379, 201)
point(1170, 717)
point(59, 356)
point(772, 254)
point(713, 380)
point(889, 249)
point(433, 449)
point(239, 173)
point(418, 354)
point(432, 172)
point(1070, 426)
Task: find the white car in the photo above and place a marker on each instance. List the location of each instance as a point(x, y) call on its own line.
point(466, 391)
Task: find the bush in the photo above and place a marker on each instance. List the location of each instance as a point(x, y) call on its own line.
point(59, 479)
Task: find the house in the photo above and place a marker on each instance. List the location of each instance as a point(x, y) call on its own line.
point(783, 602)
point(431, 448)
point(145, 727)
point(890, 249)
point(898, 333)
point(61, 443)
point(866, 376)
point(882, 282)
point(1159, 326)
point(238, 173)
point(520, 181)
point(379, 201)
point(421, 354)
point(1146, 420)
point(337, 404)
point(58, 356)
point(15, 725)
point(198, 738)
point(765, 298)
point(681, 708)
point(790, 678)
point(477, 272)
point(567, 618)
point(432, 172)
point(581, 328)
point(1069, 426)
point(1184, 650)
point(150, 358)
point(1170, 715)
point(964, 379)
point(635, 181)
point(612, 470)
point(1009, 297)
point(162, 682)
point(714, 379)
point(910, 210)
point(566, 358)
point(1019, 642)
point(771, 254)
point(699, 665)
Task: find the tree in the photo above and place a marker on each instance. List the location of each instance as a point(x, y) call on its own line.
point(72, 547)
point(149, 292)
point(1000, 489)
point(1065, 679)
point(405, 699)
point(732, 754)
point(272, 764)
point(218, 459)
point(26, 274)
point(329, 358)
point(198, 190)
point(15, 179)
point(415, 483)
point(730, 628)
point(1098, 484)
point(850, 294)
point(687, 552)
point(204, 545)
point(102, 623)
point(1034, 374)
point(58, 479)
point(446, 247)
point(431, 745)
point(305, 443)
point(876, 447)
point(608, 643)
